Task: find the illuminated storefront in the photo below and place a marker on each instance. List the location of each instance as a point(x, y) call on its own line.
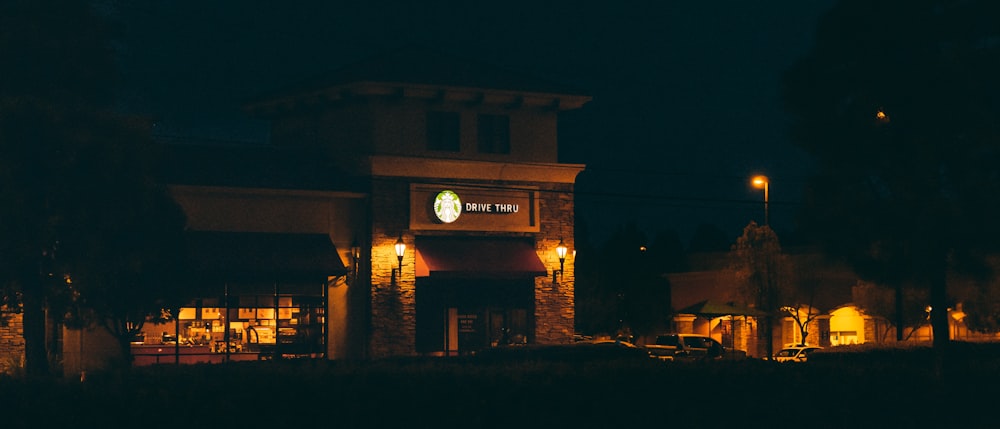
point(474, 291)
point(296, 240)
point(262, 294)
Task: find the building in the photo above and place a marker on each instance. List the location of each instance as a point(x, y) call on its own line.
point(412, 204)
point(707, 300)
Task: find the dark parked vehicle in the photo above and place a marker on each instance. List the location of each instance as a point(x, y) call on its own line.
point(686, 347)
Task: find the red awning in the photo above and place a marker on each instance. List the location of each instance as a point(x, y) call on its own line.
point(477, 257)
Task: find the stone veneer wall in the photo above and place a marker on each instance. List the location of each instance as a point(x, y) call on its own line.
point(393, 315)
point(11, 342)
point(555, 308)
point(870, 330)
point(819, 331)
point(393, 300)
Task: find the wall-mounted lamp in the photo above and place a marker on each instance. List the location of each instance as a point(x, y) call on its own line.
point(355, 258)
point(561, 253)
point(400, 251)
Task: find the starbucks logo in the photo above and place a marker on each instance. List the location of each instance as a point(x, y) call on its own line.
point(447, 206)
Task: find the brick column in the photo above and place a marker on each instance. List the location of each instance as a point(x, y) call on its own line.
point(393, 296)
point(555, 308)
point(11, 342)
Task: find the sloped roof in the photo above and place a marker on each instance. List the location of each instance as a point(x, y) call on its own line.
point(831, 284)
point(709, 308)
point(690, 288)
point(416, 66)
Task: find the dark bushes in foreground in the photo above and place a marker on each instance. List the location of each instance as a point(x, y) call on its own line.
point(515, 389)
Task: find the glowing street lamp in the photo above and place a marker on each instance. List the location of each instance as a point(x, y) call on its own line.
point(400, 251)
point(561, 253)
point(400, 247)
point(761, 182)
point(881, 116)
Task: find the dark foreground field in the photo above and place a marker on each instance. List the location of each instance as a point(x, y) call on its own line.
point(887, 388)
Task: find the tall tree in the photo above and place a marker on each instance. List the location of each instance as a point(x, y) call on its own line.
point(593, 313)
point(803, 290)
point(882, 304)
point(757, 259)
point(58, 53)
point(74, 179)
point(978, 299)
point(86, 232)
point(898, 103)
point(125, 244)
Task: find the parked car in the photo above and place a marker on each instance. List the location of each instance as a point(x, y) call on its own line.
point(686, 347)
point(795, 353)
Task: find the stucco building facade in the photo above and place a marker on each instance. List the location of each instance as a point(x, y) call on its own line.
point(412, 204)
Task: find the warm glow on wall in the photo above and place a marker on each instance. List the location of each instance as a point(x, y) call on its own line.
point(847, 326)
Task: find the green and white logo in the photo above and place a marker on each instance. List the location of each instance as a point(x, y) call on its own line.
point(447, 206)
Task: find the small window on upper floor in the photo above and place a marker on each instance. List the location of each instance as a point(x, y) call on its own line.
point(443, 131)
point(494, 134)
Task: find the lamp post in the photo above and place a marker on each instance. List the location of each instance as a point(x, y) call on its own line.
point(561, 253)
point(761, 182)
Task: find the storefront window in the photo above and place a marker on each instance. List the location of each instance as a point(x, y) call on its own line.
point(259, 327)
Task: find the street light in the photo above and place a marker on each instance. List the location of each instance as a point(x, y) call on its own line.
point(761, 182)
point(561, 253)
point(881, 116)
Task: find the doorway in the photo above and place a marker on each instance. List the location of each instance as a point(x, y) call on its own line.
point(462, 316)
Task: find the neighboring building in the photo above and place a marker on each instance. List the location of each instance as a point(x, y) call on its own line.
point(295, 242)
point(708, 301)
point(11, 340)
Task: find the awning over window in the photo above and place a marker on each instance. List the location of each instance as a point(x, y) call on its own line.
point(477, 257)
point(264, 256)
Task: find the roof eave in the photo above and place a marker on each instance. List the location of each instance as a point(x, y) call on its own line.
point(513, 99)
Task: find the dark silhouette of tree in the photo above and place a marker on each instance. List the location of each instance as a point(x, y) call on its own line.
point(593, 313)
point(982, 310)
point(81, 218)
point(91, 237)
point(57, 52)
point(803, 316)
point(897, 102)
point(126, 244)
point(802, 289)
point(880, 302)
point(757, 259)
point(978, 299)
point(625, 291)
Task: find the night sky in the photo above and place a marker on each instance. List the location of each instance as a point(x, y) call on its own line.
point(686, 94)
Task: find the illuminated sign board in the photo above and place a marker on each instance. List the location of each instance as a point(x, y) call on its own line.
point(473, 209)
point(447, 206)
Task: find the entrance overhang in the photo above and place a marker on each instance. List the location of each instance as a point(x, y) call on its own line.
point(471, 257)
